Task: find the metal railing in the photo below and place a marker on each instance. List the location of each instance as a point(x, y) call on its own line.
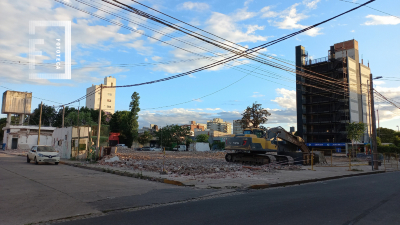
point(319, 60)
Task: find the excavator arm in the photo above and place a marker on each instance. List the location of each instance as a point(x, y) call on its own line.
point(279, 132)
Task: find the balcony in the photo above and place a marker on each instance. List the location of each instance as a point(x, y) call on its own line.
point(319, 60)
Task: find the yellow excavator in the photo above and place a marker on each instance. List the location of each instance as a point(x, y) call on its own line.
point(264, 146)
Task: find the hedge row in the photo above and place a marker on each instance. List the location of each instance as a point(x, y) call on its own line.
point(388, 149)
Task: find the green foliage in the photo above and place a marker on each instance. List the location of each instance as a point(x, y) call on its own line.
point(387, 135)
point(188, 140)
point(48, 115)
point(396, 141)
point(355, 131)
point(3, 123)
point(85, 118)
point(119, 124)
point(254, 115)
point(172, 134)
point(202, 138)
point(389, 149)
point(378, 141)
point(51, 117)
point(145, 138)
point(131, 131)
point(221, 145)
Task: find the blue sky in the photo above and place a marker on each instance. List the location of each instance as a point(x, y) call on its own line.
point(99, 48)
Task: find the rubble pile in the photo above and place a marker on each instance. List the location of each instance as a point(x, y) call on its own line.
point(195, 164)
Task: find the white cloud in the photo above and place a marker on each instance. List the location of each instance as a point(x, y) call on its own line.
point(289, 19)
point(243, 14)
point(200, 6)
point(288, 99)
point(85, 34)
point(311, 4)
point(224, 26)
point(266, 12)
point(156, 58)
point(257, 96)
point(352, 31)
point(381, 20)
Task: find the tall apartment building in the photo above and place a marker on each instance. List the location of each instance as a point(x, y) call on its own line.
point(219, 125)
point(325, 108)
point(195, 127)
point(237, 127)
point(108, 98)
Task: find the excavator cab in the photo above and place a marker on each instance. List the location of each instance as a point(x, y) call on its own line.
point(258, 132)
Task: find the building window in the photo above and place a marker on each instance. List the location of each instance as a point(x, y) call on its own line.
point(65, 137)
point(109, 94)
point(108, 100)
point(109, 107)
point(112, 84)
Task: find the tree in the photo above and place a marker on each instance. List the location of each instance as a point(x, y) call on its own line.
point(202, 138)
point(85, 118)
point(3, 123)
point(58, 118)
point(145, 137)
point(254, 115)
point(172, 134)
point(131, 131)
point(355, 131)
point(48, 115)
point(387, 135)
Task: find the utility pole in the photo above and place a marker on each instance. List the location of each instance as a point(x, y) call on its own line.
point(374, 145)
point(40, 123)
point(99, 121)
point(63, 117)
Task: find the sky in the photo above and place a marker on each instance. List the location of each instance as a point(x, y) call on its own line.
point(143, 50)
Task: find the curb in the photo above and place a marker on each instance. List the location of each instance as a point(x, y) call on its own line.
point(178, 183)
point(263, 186)
point(128, 174)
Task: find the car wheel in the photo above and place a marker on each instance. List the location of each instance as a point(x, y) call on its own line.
point(56, 163)
point(27, 159)
point(36, 162)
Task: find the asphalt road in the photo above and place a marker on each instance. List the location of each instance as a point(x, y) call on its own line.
point(32, 193)
point(372, 199)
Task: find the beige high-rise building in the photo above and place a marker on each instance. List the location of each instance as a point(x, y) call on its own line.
point(219, 125)
point(108, 98)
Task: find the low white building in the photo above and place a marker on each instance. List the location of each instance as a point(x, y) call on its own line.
point(65, 141)
point(24, 137)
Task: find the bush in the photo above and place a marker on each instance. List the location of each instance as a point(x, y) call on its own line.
point(388, 149)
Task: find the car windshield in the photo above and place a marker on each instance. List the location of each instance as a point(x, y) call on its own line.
point(45, 149)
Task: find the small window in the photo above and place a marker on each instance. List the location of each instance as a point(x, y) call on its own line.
point(112, 84)
point(59, 142)
point(108, 100)
point(109, 107)
point(65, 137)
point(109, 94)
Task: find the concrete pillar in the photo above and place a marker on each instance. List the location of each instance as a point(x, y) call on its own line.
point(21, 119)
point(8, 120)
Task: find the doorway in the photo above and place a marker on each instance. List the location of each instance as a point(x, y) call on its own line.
point(14, 143)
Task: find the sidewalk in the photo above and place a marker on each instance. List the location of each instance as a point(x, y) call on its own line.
point(238, 180)
point(250, 178)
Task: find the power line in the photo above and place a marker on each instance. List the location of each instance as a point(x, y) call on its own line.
point(220, 62)
point(191, 33)
point(371, 8)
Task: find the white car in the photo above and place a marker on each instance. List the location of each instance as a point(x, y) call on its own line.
point(41, 153)
point(148, 149)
